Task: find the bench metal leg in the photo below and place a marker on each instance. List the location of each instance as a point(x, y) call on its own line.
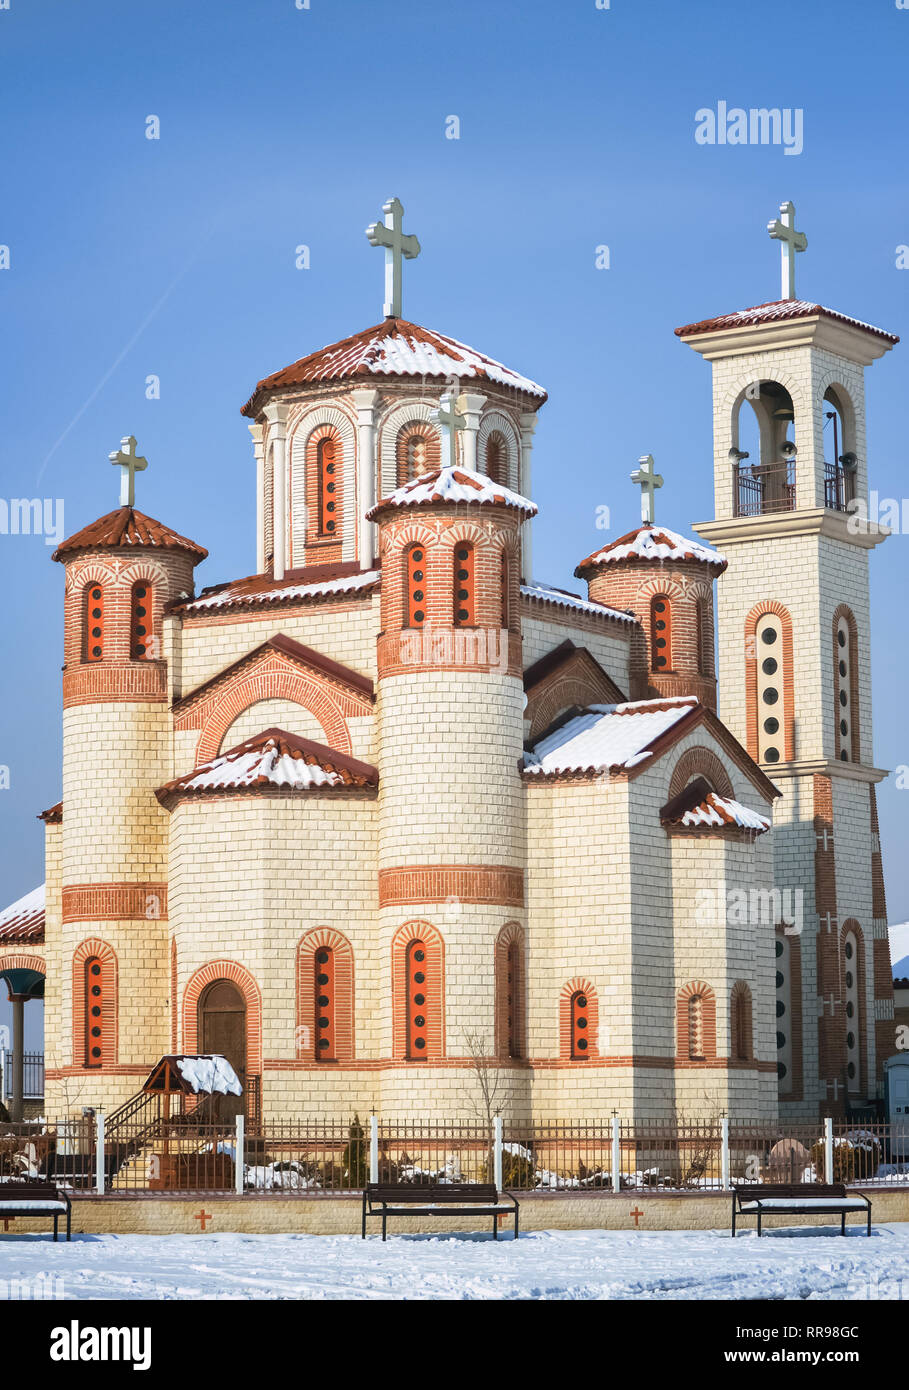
point(869, 1221)
point(384, 1223)
point(843, 1224)
point(733, 1218)
point(495, 1228)
point(759, 1225)
point(363, 1231)
point(516, 1223)
point(56, 1219)
point(69, 1214)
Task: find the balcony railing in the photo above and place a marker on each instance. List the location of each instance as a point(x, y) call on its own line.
point(764, 488)
point(33, 1075)
point(839, 486)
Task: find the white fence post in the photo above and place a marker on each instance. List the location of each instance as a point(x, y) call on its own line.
point(616, 1154)
point(373, 1148)
point(828, 1149)
point(3, 1065)
point(99, 1151)
point(240, 1156)
point(497, 1153)
point(724, 1153)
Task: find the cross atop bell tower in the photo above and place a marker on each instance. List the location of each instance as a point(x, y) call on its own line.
point(791, 241)
point(129, 463)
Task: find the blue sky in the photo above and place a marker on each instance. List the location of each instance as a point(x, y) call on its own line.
point(281, 126)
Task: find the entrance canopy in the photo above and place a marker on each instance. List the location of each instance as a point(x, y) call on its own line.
point(184, 1075)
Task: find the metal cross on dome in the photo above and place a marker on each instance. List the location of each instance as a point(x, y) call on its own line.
point(398, 247)
point(450, 421)
point(648, 480)
point(127, 459)
point(783, 231)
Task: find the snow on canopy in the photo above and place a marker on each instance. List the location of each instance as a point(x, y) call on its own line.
point(274, 758)
point(454, 485)
point(259, 589)
point(722, 810)
point(23, 920)
point(211, 1074)
point(545, 593)
point(607, 736)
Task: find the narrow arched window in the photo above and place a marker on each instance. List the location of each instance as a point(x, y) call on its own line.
point(464, 576)
point(95, 1004)
point(415, 449)
point(415, 586)
point(324, 991)
point(328, 486)
point(496, 458)
point(418, 988)
point(580, 1024)
point(141, 640)
point(851, 992)
point(696, 1027)
point(768, 658)
point(93, 622)
point(505, 586)
point(514, 998)
point(846, 685)
point(660, 633)
point(740, 1021)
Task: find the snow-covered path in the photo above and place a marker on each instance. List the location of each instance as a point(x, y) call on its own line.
point(803, 1263)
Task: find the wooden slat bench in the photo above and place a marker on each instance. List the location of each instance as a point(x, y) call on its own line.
point(797, 1199)
point(35, 1199)
point(437, 1199)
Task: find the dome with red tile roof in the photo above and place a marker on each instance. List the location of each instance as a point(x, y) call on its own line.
point(129, 529)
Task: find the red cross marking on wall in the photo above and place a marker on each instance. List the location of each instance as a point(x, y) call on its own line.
point(203, 1216)
point(636, 1214)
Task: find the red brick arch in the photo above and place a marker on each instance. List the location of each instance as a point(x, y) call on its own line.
point(861, 1023)
point(700, 762)
point(695, 989)
point(511, 936)
point(570, 989)
point(854, 731)
point(435, 969)
point(751, 680)
point(246, 983)
point(22, 962)
point(343, 1002)
point(277, 683)
point(741, 1042)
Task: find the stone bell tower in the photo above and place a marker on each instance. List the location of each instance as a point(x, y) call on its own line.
point(794, 663)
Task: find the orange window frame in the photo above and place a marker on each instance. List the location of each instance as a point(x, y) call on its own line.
point(417, 1000)
point(94, 622)
point(661, 632)
point(580, 1024)
point(464, 585)
point(328, 487)
point(415, 580)
point(141, 638)
point(94, 1012)
point(324, 996)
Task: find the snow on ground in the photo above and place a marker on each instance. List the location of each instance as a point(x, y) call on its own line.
point(792, 1263)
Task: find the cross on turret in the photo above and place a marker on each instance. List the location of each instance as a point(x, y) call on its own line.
point(450, 421)
point(398, 247)
point(648, 480)
point(131, 464)
point(783, 230)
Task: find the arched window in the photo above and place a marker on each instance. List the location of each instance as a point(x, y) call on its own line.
point(740, 1022)
point(784, 1015)
point(416, 455)
point(417, 451)
point(419, 988)
point(96, 1004)
point(324, 994)
point(496, 458)
point(704, 633)
point(846, 686)
point(660, 633)
point(769, 658)
point(325, 987)
point(696, 1023)
point(415, 586)
point(509, 991)
point(93, 622)
point(762, 455)
point(328, 456)
point(141, 638)
point(853, 989)
point(464, 587)
point(505, 586)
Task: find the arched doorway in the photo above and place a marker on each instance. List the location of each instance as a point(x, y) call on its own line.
point(222, 1029)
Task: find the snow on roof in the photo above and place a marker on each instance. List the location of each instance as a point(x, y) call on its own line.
point(453, 485)
point(721, 810)
point(128, 527)
point(651, 542)
point(394, 347)
point(261, 589)
point(273, 758)
point(23, 920)
point(212, 1074)
point(777, 311)
point(603, 737)
point(545, 593)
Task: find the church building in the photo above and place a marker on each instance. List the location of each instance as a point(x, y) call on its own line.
point(390, 811)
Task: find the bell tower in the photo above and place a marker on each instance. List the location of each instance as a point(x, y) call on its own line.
point(790, 468)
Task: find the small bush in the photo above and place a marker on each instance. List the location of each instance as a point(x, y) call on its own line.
point(855, 1158)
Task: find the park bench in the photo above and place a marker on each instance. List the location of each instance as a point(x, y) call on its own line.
point(35, 1199)
point(437, 1199)
point(797, 1199)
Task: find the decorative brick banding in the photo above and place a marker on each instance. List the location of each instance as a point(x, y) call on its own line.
point(115, 902)
point(437, 883)
point(103, 683)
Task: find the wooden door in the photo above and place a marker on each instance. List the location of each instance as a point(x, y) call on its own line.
point(222, 1029)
